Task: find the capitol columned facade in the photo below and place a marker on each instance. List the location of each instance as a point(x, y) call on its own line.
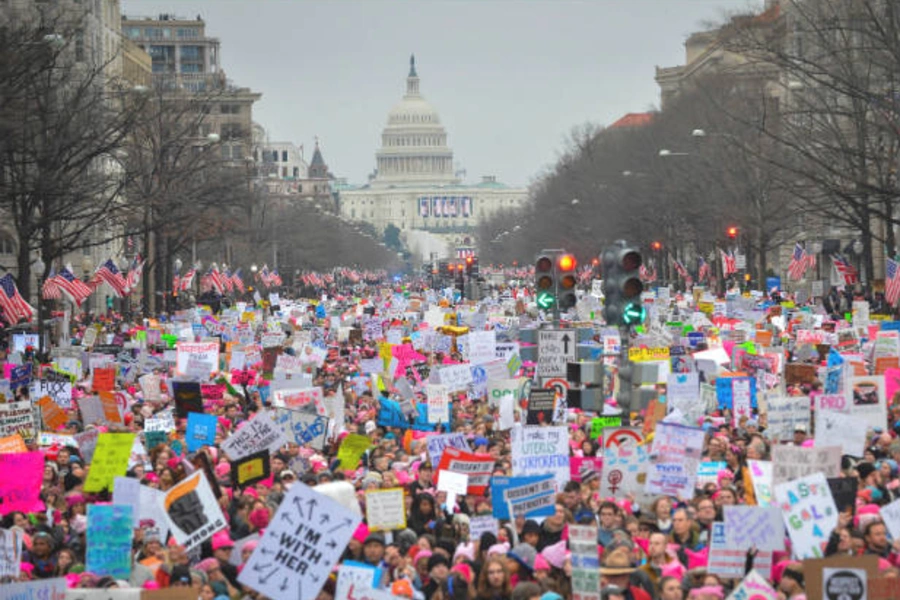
point(416, 188)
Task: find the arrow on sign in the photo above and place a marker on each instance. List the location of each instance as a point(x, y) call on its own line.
point(545, 300)
point(565, 340)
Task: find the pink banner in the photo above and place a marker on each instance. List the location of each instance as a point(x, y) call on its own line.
point(20, 485)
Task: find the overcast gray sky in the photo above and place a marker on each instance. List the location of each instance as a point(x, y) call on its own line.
point(510, 78)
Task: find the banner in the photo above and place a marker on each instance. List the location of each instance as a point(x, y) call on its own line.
point(809, 514)
point(540, 450)
point(192, 511)
point(585, 562)
point(436, 444)
point(109, 532)
point(624, 462)
point(500, 485)
point(259, 433)
point(303, 542)
point(478, 467)
point(17, 417)
point(110, 460)
point(675, 460)
point(385, 509)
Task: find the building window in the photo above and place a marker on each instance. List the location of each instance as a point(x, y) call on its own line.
point(284, 172)
point(296, 172)
point(284, 156)
point(7, 245)
point(188, 32)
point(79, 46)
point(230, 109)
point(232, 131)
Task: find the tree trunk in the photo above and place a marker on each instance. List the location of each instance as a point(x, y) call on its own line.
point(23, 262)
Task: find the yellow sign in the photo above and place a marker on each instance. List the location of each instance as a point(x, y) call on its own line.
point(385, 509)
point(706, 308)
point(647, 354)
point(351, 450)
point(110, 460)
point(250, 470)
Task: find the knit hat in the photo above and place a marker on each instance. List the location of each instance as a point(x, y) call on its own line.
point(437, 559)
point(864, 469)
point(467, 551)
point(555, 554)
point(464, 570)
point(498, 549)
point(531, 527)
point(221, 540)
point(524, 554)
point(541, 564)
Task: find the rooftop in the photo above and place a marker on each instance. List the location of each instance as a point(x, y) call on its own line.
point(633, 120)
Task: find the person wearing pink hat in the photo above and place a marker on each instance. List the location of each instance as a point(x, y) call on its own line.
point(222, 547)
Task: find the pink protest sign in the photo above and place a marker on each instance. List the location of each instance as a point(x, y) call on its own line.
point(20, 485)
point(891, 383)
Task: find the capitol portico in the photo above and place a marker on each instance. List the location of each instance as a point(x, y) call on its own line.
point(415, 187)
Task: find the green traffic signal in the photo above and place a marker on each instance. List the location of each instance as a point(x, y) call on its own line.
point(545, 299)
point(634, 314)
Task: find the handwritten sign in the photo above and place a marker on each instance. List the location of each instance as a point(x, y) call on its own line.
point(198, 357)
point(385, 509)
point(625, 460)
point(754, 526)
point(538, 450)
point(437, 442)
point(809, 514)
point(477, 467)
point(793, 462)
point(17, 417)
point(20, 485)
point(51, 413)
point(201, 431)
point(12, 444)
point(110, 460)
point(109, 533)
point(10, 552)
point(259, 433)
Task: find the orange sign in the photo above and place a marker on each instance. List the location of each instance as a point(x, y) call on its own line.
point(12, 444)
point(104, 380)
point(54, 416)
point(110, 407)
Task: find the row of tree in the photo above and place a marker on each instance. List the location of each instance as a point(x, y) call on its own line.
point(798, 136)
point(89, 159)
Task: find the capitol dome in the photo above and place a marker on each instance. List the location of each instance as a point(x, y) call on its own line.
point(414, 147)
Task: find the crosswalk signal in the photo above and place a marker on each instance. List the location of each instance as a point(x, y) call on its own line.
point(566, 296)
point(622, 285)
point(544, 282)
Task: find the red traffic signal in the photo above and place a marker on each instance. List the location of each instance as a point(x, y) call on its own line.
point(566, 262)
point(732, 232)
point(656, 246)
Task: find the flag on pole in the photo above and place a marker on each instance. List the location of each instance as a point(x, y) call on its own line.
point(188, 280)
point(76, 290)
point(237, 282)
point(702, 270)
point(275, 278)
point(134, 273)
point(682, 271)
point(50, 290)
point(847, 271)
point(647, 275)
point(108, 272)
point(729, 264)
point(799, 263)
point(892, 282)
point(11, 302)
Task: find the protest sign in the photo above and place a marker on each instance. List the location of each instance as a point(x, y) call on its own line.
point(848, 429)
point(150, 387)
point(843, 490)
point(540, 450)
point(541, 505)
point(585, 468)
point(761, 476)
point(541, 406)
point(477, 467)
point(728, 560)
point(188, 398)
point(250, 469)
point(104, 380)
point(19, 376)
point(385, 509)
point(841, 577)
point(151, 513)
point(351, 450)
point(109, 533)
point(869, 399)
point(481, 525)
point(754, 526)
point(437, 442)
point(12, 444)
point(456, 378)
point(585, 562)
point(10, 552)
point(624, 462)
point(127, 492)
point(708, 472)
point(676, 455)
point(302, 426)
point(304, 540)
point(754, 587)
point(438, 403)
point(479, 347)
point(598, 424)
point(192, 511)
point(259, 433)
point(87, 443)
point(785, 414)
point(201, 431)
point(309, 399)
point(197, 358)
point(110, 460)
point(42, 589)
point(59, 391)
point(794, 462)
point(17, 417)
point(355, 577)
point(500, 485)
point(809, 514)
point(163, 421)
point(890, 513)
point(52, 415)
point(725, 391)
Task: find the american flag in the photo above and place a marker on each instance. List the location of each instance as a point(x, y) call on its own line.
point(703, 269)
point(188, 280)
point(227, 281)
point(645, 274)
point(729, 264)
point(76, 290)
point(50, 290)
point(892, 282)
point(275, 278)
point(11, 302)
point(213, 280)
point(237, 282)
point(134, 273)
point(847, 271)
point(682, 271)
point(110, 273)
point(799, 263)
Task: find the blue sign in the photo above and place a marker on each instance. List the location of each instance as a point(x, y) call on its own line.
point(725, 394)
point(499, 485)
point(109, 533)
point(201, 431)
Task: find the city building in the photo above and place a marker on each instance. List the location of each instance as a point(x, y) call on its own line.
point(415, 187)
point(283, 170)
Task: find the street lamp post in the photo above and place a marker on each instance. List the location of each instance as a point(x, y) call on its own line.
point(39, 267)
point(178, 264)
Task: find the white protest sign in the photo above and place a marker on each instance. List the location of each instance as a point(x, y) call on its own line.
point(150, 387)
point(761, 476)
point(785, 414)
point(385, 509)
point(675, 460)
point(192, 511)
point(849, 429)
point(456, 378)
point(151, 512)
point(890, 513)
point(438, 403)
point(10, 552)
point(59, 391)
point(17, 417)
point(163, 421)
point(304, 540)
point(196, 358)
point(437, 442)
point(259, 433)
point(754, 587)
point(300, 398)
point(541, 450)
point(556, 348)
point(480, 346)
point(793, 462)
point(481, 525)
point(302, 426)
point(754, 526)
point(809, 514)
point(127, 491)
point(42, 589)
point(352, 579)
point(869, 399)
point(625, 457)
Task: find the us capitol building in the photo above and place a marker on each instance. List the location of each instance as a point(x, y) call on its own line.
point(415, 187)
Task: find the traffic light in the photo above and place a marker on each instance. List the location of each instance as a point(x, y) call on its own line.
point(732, 233)
point(475, 272)
point(469, 262)
point(544, 282)
point(567, 281)
point(622, 286)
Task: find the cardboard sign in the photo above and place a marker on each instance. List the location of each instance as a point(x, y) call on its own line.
point(436, 444)
point(809, 514)
point(104, 380)
point(385, 509)
point(109, 533)
point(794, 462)
point(51, 413)
point(840, 577)
point(17, 417)
point(250, 469)
point(259, 433)
point(303, 542)
point(625, 458)
point(12, 444)
point(192, 511)
point(541, 406)
point(197, 358)
point(110, 460)
point(10, 552)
